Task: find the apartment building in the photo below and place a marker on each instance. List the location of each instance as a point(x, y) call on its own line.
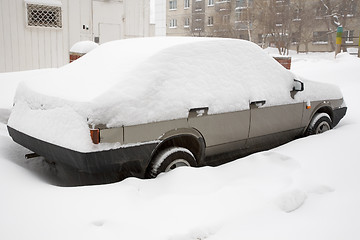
point(302, 25)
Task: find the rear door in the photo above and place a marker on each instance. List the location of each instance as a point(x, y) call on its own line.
point(222, 132)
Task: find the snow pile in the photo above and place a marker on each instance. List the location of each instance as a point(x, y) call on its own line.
point(306, 189)
point(292, 200)
point(50, 126)
point(83, 47)
point(10, 81)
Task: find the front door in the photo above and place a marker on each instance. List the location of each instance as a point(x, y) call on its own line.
point(274, 125)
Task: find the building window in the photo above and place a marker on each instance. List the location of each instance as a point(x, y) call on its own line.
point(225, 19)
point(242, 14)
point(211, 3)
point(282, 2)
point(349, 36)
point(187, 22)
point(173, 23)
point(297, 15)
point(239, 3)
point(173, 4)
point(238, 16)
point(243, 3)
point(352, 8)
point(210, 21)
point(186, 3)
point(320, 37)
point(295, 38)
point(320, 11)
point(243, 25)
point(43, 15)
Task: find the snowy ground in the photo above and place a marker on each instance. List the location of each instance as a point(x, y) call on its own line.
point(307, 189)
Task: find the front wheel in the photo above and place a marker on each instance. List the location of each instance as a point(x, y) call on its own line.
point(170, 159)
point(320, 123)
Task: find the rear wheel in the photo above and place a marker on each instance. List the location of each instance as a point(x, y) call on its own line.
point(170, 159)
point(320, 123)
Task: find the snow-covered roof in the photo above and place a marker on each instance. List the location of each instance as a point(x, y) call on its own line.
point(83, 47)
point(56, 3)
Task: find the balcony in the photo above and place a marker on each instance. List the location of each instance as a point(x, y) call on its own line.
point(243, 25)
point(223, 6)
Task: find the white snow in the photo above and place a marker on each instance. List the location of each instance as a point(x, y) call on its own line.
point(56, 3)
point(137, 81)
point(163, 77)
point(83, 47)
point(11, 81)
point(306, 189)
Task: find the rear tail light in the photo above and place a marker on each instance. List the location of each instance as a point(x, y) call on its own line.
point(95, 135)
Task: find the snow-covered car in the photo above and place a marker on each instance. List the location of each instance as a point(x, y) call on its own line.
point(140, 107)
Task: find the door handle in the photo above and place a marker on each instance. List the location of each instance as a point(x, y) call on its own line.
point(257, 103)
point(198, 112)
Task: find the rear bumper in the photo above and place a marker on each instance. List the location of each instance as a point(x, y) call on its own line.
point(127, 161)
point(338, 115)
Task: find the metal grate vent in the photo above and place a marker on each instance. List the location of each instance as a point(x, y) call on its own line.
point(43, 16)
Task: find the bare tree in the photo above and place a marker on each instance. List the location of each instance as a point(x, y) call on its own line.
point(335, 13)
point(233, 19)
point(275, 17)
point(338, 11)
point(303, 23)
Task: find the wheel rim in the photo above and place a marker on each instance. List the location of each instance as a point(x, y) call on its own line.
point(177, 163)
point(323, 127)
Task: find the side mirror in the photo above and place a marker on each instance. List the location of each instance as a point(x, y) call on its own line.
point(298, 86)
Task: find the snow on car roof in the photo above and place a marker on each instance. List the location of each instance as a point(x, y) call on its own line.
point(153, 79)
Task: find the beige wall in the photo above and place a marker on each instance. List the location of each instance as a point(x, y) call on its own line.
point(179, 14)
point(25, 48)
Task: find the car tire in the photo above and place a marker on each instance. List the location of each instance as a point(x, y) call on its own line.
point(170, 159)
point(320, 123)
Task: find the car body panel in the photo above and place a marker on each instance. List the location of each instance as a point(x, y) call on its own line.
point(112, 135)
point(225, 137)
point(315, 106)
point(223, 128)
point(131, 160)
point(151, 131)
point(269, 120)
